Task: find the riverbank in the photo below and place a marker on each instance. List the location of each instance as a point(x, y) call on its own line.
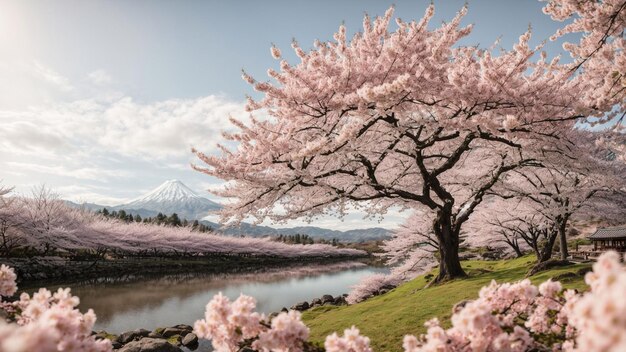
point(385, 319)
point(43, 271)
point(388, 317)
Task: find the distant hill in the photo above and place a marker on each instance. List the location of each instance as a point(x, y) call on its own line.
point(356, 235)
point(175, 197)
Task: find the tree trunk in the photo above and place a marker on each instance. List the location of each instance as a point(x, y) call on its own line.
point(563, 239)
point(448, 238)
point(546, 251)
point(518, 251)
point(537, 253)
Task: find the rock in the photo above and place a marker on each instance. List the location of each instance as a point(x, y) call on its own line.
point(284, 310)
point(116, 345)
point(316, 301)
point(457, 307)
point(149, 345)
point(568, 276)
point(549, 264)
point(184, 327)
point(101, 335)
point(129, 336)
point(155, 335)
point(583, 271)
point(175, 340)
point(302, 306)
point(169, 332)
point(467, 256)
point(491, 255)
point(340, 300)
point(190, 340)
point(327, 299)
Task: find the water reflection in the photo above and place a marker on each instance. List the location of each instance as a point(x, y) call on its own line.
point(128, 303)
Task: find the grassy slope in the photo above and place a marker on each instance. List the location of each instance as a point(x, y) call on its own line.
point(387, 318)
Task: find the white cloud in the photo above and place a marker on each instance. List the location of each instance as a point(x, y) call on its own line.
point(51, 76)
point(22, 136)
point(121, 126)
point(88, 194)
point(99, 77)
point(81, 173)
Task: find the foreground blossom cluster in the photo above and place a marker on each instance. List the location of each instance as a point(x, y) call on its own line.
point(522, 317)
point(45, 322)
point(506, 317)
point(351, 341)
point(230, 324)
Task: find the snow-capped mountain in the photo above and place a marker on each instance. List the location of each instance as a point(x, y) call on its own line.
point(172, 197)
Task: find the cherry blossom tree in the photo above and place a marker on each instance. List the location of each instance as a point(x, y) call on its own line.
point(599, 54)
point(412, 247)
point(403, 118)
point(566, 185)
point(44, 215)
point(520, 225)
point(10, 219)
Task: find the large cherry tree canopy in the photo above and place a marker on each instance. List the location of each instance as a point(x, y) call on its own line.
point(600, 51)
point(600, 57)
point(407, 117)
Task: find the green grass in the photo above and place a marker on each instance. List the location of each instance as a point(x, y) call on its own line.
point(387, 318)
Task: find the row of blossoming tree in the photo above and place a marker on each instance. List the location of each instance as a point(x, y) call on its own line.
point(512, 317)
point(412, 119)
point(42, 224)
point(530, 209)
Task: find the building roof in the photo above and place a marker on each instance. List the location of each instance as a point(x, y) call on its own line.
point(609, 233)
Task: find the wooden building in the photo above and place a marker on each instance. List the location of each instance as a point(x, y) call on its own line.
point(609, 238)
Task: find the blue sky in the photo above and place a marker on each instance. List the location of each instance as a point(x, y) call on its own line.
point(101, 100)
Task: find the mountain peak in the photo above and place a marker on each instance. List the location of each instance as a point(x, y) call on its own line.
point(171, 190)
point(173, 196)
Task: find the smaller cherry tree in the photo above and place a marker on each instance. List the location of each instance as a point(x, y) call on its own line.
point(10, 221)
point(567, 184)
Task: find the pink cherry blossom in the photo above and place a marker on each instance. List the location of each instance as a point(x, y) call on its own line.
point(7, 281)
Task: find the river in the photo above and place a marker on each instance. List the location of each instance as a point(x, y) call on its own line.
point(123, 304)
